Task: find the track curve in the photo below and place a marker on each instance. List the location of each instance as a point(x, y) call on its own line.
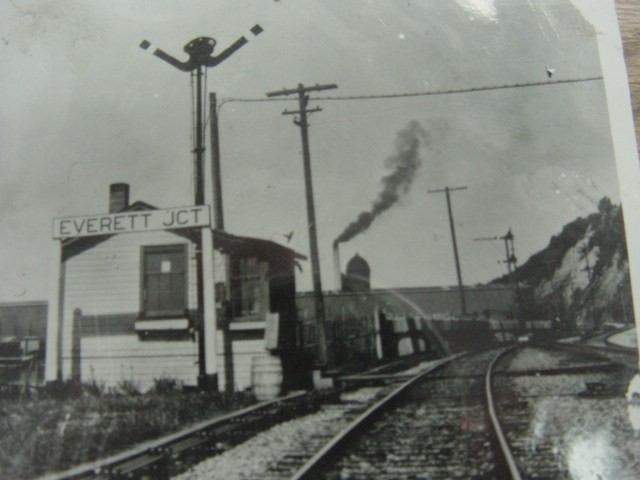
point(434, 426)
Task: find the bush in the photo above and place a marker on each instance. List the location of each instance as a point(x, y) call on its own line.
point(62, 390)
point(46, 434)
point(166, 385)
point(127, 387)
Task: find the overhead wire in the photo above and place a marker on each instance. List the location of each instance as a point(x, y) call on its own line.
point(417, 94)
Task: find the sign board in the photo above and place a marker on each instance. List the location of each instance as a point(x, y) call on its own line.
point(128, 222)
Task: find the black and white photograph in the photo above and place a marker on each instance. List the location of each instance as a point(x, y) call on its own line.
point(302, 239)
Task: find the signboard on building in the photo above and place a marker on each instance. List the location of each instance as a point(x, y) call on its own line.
point(134, 221)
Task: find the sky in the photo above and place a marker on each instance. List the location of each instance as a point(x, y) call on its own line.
point(84, 107)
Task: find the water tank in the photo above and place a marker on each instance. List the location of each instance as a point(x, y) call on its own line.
point(357, 277)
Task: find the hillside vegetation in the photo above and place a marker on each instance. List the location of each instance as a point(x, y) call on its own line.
point(581, 278)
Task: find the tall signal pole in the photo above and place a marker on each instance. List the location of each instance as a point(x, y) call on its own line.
point(446, 190)
point(510, 257)
point(510, 260)
point(200, 56)
point(303, 111)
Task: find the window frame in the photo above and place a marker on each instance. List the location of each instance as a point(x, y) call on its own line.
point(183, 249)
point(242, 281)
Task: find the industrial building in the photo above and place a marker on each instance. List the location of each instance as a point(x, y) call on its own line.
point(498, 300)
point(433, 313)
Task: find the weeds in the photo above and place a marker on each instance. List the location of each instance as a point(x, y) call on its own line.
point(127, 387)
point(166, 385)
point(71, 423)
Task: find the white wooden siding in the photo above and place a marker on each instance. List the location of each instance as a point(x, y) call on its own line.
point(243, 352)
point(106, 280)
point(110, 359)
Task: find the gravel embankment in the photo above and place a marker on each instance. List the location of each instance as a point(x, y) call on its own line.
point(536, 359)
point(440, 430)
point(272, 453)
point(558, 430)
point(279, 451)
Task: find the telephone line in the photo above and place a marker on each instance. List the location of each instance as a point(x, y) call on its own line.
point(418, 94)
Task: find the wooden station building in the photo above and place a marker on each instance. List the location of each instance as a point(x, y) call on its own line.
point(126, 306)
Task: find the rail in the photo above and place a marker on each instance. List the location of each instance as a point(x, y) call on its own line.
point(502, 440)
point(310, 469)
point(155, 454)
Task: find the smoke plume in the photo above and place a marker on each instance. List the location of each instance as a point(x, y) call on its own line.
point(404, 163)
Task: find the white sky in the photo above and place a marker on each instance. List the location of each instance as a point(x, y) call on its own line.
point(84, 106)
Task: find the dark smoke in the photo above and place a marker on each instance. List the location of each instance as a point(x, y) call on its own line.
point(404, 162)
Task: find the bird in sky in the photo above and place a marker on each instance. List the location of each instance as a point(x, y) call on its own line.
point(550, 71)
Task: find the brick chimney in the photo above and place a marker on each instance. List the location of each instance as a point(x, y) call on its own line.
point(336, 267)
point(118, 197)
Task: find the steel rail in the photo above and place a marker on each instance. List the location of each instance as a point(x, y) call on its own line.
point(161, 449)
point(310, 469)
point(502, 440)
point(601, 351)
point(609, 343)
point(192, 437)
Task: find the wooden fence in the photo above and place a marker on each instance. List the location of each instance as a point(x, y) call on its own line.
point(351, 337)
point(356, 339)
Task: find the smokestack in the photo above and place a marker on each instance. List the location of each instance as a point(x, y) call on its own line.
point(118, 197)
point(336, 266)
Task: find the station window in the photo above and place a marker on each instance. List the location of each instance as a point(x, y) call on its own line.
point(164, 281)
point(249, 288)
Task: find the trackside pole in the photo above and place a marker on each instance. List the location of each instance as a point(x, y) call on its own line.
point(209, 317)
point(210, 330)
point(52, 367)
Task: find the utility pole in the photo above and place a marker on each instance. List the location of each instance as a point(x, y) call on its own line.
point(447, 190)
point(218, 216)
point(303, 111)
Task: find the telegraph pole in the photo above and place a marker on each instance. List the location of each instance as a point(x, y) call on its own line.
point(446, 190)
point(218, 216)
point(303, 111)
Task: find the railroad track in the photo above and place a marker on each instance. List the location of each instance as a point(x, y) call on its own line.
point(434, 425)
point(605, 350)
point(452, 419)
point(555, 405)
point(171, 454)
point(175, 453)
point(280, 452)
point(449, 423)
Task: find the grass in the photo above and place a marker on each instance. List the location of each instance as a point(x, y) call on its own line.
point(69, 424)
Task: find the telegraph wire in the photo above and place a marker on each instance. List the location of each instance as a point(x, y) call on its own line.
point(419, 94)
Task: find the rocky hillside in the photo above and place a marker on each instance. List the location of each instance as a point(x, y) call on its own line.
point(582, 277)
